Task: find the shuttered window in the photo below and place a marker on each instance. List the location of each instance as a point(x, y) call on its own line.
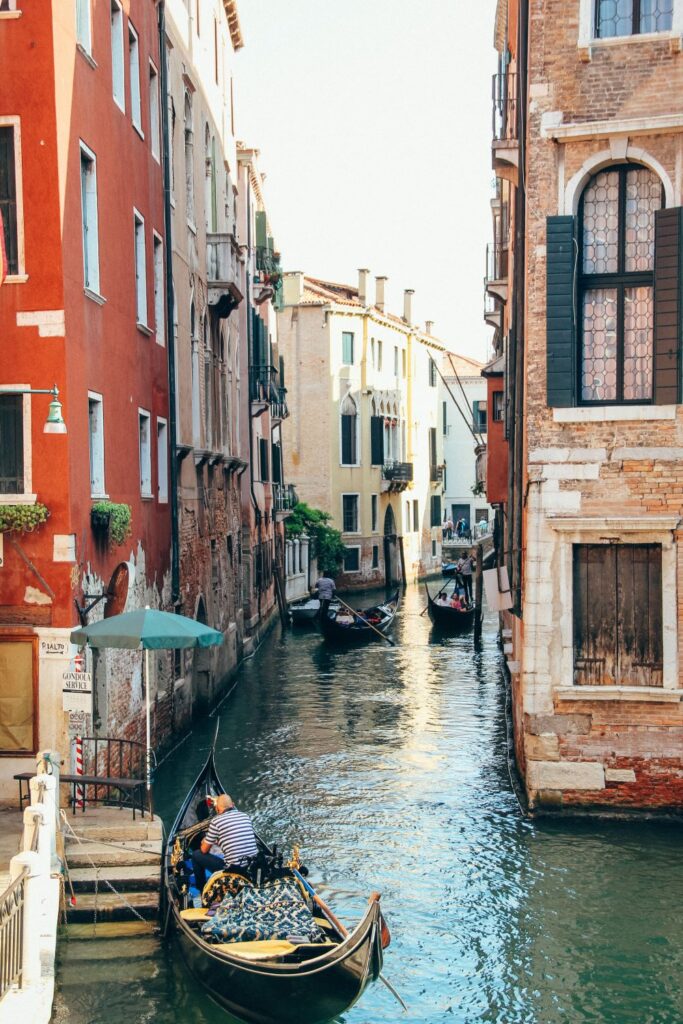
point(618, 615)
point(668, 312)
point(263, 458)
point(436, 510)
point(377, 440)
point(349, 431)
point(350, 523)
point(11, 444)
point(276, 462)
point(8, 197)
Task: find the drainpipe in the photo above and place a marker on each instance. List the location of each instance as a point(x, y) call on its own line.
point(170, 338)
point(254, 500)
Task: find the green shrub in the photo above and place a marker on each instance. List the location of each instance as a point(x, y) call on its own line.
point(22, 518)
point(113, 518)
point(329, 547)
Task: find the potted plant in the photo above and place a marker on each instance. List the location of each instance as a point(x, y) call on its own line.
point(22, 518)
point(113, 519)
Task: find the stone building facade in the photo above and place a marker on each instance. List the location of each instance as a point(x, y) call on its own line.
point(591, 331)
point(365, 437)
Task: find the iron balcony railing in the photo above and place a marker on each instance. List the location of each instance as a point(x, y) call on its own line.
point(268, 262)
point(398, 471)
point(12, 933)
point(263, 384)
point(435, 473)
point(496, 262)
point(284, 497)
point(279, 409)
point(504, 96)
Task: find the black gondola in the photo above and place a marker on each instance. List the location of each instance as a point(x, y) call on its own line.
point(343, 626)
point(308, 984)
point(448, 617)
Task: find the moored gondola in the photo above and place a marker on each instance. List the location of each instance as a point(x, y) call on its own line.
point(448, 617)
point(348, 626)
point(265, 982)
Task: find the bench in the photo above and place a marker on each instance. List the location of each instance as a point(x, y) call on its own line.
point(134, 788)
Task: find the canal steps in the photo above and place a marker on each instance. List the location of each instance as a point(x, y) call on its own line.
point(114, 866)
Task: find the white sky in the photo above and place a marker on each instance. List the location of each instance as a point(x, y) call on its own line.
point(373, 118)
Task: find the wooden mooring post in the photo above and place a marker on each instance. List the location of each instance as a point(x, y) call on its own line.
point(478, 592)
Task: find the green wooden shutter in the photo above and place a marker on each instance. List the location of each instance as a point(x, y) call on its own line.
point(260, 229)
point(377, 440)
point(668, 319)
point(561, 353)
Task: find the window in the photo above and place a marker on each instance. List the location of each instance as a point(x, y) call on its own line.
point(140, 269)
point(145, 453)
point(83, 25)
point(8, 196)
point(498, 406)
point(632, 17)
point(416, 515)
point(375, 556)
point(8, 5)
point(349, 432)
point(96, 441)
point(433, 549)
point(444, 410)
point(432, 452)
point(377, 440)
point(618, 633)
point(373, 513)
point(159, 317)
point(403, 362)
point(189, 161)
point(350, 522)
point(352, 560)
point(395, 361)
point(435, 519)
point(91, 244)
point(12, 479)
point(162, 460)
point(479, 417)
point(154, 137)
point(134, 69)
point(432, 372)
point(18, 704)
point(347, 348)
point(118, 87)
point(263, 458)
point(616, 285)
point(372, 352)
point(407, 517)
point(379, 353)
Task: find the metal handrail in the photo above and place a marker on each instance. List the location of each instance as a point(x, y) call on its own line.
point(504, 114)
point(12, 932)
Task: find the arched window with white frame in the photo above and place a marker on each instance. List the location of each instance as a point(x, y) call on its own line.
point(349, 432)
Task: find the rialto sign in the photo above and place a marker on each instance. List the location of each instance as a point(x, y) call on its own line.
point(77, 691)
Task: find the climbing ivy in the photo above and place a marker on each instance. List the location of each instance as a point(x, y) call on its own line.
point(22, 518)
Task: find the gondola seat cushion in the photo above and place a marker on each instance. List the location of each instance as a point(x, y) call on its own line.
point(275, 910)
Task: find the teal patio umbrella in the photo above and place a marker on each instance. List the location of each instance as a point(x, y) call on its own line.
point(149, 630)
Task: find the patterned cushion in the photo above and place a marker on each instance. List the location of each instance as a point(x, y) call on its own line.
point(276, 910)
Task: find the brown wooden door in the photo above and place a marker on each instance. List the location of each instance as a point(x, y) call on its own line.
point(618, 614)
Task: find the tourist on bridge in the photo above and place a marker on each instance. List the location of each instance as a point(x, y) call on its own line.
point(233, 833)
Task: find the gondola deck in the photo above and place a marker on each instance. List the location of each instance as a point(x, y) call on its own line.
point(344, 627)
point(295, 983)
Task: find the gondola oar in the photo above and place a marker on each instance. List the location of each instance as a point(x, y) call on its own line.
point(433, 598)
point(340, 928)
point(361, 619)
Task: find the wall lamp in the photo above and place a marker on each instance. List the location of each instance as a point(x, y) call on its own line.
point(54, 424)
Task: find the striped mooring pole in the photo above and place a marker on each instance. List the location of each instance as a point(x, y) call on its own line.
point(79, 771)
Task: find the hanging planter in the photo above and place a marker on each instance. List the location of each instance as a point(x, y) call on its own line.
point(113, 519)
point(22, 518)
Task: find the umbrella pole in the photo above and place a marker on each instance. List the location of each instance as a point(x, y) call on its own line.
point(148, 730)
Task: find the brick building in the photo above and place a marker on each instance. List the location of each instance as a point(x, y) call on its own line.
point(81, 198)
point(588, 286)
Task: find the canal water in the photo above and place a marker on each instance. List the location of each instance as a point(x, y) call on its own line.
point(388, 767)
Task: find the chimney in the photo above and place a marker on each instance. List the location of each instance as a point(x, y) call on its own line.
point(428, 326)
point(408, 305)
point(292, 287)
point(363, 286)
point(379, 293)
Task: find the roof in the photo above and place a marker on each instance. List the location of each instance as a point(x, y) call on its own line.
point(495, 368)
point(464, 366)
point(234, 24)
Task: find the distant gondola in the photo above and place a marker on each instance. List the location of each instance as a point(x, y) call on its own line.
point(292, 982)
point(343, 626)
point(448, 568)
point(446, 616)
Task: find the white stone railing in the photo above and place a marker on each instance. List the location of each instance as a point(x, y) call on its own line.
point(298, 568)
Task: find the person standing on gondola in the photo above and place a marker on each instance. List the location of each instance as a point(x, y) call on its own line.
point(233, 833)
point(464, 569)
point(326, 588)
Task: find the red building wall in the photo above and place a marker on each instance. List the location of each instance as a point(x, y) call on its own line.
point(497, 456)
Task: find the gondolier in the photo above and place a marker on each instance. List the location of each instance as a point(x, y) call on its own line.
point(326, 588)
point(464, 569)
point(233, 833)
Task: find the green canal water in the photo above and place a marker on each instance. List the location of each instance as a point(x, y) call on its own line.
point(388, 767)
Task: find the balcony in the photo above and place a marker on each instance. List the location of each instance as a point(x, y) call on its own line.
point(284, 499)
point(396, 476)
point(269, 275)
point(496, 279)
point(493, 311)
point(222, 273)
point(265, 391)
point(436, 473)
point(505, 145)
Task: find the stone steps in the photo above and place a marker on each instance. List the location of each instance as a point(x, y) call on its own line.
point(124, 878)
point(87, 855)
point(109, 906)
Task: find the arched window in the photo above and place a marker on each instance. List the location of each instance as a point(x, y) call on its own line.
point(349, 432)
point(616, 285)
point(189, 160)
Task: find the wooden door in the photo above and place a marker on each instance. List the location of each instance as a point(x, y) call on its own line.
point(618, 615)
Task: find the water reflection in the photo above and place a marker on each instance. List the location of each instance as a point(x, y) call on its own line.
point(387, 765)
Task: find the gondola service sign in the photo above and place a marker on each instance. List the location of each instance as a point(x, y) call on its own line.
point(77, 691)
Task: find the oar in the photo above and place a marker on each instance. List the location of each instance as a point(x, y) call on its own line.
point(344, 932)
point(361, 619)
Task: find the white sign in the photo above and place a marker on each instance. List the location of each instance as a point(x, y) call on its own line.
point(497, 587)
point(77, 722)
point(54, 647)
point(77, 691)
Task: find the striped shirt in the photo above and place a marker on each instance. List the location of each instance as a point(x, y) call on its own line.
point(234, 833)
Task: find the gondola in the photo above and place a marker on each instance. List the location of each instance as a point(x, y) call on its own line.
point(448, 568)
point(446, 617)
point(305, 612)
point(344, 627)
point(266, 982)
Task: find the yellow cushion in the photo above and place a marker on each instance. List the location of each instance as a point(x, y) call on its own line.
point(263, 949)
point(194, 914)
